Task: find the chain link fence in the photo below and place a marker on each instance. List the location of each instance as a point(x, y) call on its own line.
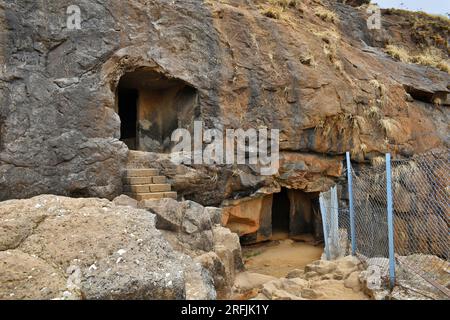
point(371, 227)
point(420, 215)
point(421, 191)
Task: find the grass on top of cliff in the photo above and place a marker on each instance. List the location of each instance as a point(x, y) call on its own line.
point(425, 29)
point(431, 57)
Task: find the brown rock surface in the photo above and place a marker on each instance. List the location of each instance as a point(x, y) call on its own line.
point(328, 86)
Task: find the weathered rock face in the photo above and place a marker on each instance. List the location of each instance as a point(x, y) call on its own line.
point(320, 83)
point(191, 228)
point(56, 247)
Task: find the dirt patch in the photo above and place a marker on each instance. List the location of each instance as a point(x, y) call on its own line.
point(278, 258)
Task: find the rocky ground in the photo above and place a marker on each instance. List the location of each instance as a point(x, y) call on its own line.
point(346, 278)
point(55, 247)
point(321, 279)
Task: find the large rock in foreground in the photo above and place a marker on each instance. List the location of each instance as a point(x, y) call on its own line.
point(193, 230)
point(56, 247)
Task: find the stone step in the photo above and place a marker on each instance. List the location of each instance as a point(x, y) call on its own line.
point(159, 179)
point(160, 187)
point(131, 173)
point(152, 195)
point(145, 188)
point(137, 188)
point(138, 180)
point(145, 180)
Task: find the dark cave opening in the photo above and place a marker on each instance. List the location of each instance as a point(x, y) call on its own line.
point(281, 214)
point(128, 100)
point(151, 106)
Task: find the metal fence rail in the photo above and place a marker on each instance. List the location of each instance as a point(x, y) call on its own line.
point(396, 216)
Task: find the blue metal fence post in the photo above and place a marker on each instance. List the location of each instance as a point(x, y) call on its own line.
point(325, 229)
point(350, 198)
point(390, 220)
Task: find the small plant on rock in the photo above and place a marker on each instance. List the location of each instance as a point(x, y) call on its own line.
point(274, 13)
point(326, 15)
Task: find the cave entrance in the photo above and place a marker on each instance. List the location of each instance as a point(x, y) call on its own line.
point(295, 214)
point(280, 215)
point(289, 214)
point(128, 99)
point(151, 106)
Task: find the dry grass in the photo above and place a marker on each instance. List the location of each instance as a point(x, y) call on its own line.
point(389, 126)
point(430, 57)
point(271, 12)
point(326, 15)
point(398, 53)
point(275, 8)
point(373, 112)
point(425, 29)
point(437, 102)
point(338, 124)
point(285, 3)
point(308, 59)
point(358, 151)
point(379, 87)
point(378, 161)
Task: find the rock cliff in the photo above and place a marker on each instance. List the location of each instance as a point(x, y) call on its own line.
point(309, 68)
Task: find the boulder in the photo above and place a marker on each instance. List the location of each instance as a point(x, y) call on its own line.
point(228, 248)
point(215, 214)
point(296, 273)
point(62, 248)
point(284, 289)
point(124, 200)
point(189, 228)
point(187, 222)
point(213, 264)
point(352, 282)
point(321, 267)
point(249, 283)
point(311, 294)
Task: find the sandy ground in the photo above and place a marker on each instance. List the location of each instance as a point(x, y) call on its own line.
point(277, 258)
point(280, 256)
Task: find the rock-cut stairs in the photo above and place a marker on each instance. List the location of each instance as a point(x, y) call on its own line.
point(146, 184)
